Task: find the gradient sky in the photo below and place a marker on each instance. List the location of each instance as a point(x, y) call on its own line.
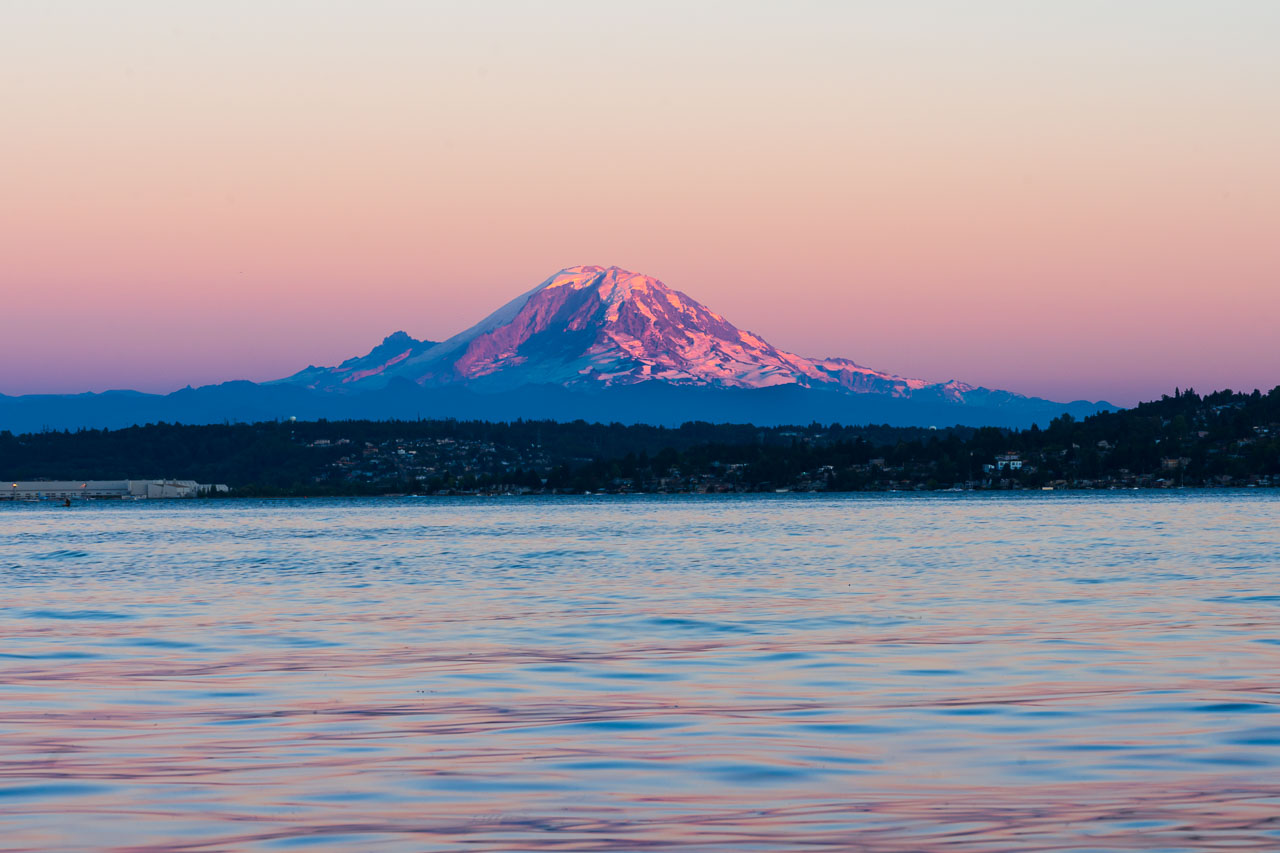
point(1075, 199)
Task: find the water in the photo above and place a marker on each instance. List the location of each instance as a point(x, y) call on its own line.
point(921, 672)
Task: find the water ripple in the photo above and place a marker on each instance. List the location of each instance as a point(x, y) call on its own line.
point(904, 672)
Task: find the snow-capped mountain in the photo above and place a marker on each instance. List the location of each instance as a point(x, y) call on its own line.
point(597, 343)
point(599, 327)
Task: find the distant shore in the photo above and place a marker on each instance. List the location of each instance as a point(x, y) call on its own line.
point(1220, 440)
point(780, 493)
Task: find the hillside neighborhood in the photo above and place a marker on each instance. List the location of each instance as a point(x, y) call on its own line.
point(1224, 439)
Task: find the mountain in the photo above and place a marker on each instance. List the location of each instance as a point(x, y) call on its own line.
point(394, 349)
point(600, 327)
point(597, 343)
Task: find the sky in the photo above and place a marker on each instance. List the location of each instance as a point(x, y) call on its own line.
point(1075, 200)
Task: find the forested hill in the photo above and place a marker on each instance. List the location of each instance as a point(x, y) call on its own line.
point(1222, 439)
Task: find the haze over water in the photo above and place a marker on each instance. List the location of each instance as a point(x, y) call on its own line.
point(716, 674)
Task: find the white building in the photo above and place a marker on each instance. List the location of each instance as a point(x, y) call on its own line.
point(1011, 461)
point(35, 490)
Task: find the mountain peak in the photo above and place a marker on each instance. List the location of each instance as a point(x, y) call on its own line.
point(395, 348)
point(609, 282)
point(595, 325)
point(615, 285)
point(592, 326)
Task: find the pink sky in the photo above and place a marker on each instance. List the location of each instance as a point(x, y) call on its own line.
point(1073, 200)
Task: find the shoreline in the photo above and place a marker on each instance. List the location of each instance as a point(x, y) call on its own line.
point(778, 494)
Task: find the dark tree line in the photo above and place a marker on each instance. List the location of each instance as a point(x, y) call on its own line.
point(1185, 439)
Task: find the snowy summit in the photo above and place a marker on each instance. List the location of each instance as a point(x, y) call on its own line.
point(605, 326)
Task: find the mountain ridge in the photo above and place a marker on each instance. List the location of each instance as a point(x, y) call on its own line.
point(588, 342)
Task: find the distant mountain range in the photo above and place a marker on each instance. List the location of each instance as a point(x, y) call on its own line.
point(598, 343)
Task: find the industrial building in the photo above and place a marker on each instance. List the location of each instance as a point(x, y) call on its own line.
point(36, 490)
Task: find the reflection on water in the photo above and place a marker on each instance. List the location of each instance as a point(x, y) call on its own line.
point(608, 674)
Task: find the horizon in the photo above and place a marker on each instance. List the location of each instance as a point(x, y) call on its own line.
point(1072, 202)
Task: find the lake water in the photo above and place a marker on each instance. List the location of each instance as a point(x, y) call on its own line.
point(915, 672)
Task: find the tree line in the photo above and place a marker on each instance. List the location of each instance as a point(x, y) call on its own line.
point(1183, 439)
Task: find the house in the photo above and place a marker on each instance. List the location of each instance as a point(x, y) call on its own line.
point(1012, 461)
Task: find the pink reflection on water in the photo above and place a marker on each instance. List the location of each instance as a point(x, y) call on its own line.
point(870, 684)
